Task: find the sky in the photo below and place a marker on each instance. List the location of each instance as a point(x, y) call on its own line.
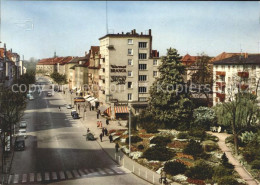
point(38, 28)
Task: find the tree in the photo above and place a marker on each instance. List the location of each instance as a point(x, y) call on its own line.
point(59, 78)
point(202, 78)
point(170, 101)
point(204, 117)
point(240, 113)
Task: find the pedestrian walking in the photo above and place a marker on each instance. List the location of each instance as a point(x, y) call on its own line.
point(100, 124)
point(101, 136)
point(92, 107)
point(117, 147)
point(107, 121)
point(110, 138)
point(89, 108)
point(106, 132)
point(59, 108)
point(88, 130)
point(97, 115)
point(103, 131)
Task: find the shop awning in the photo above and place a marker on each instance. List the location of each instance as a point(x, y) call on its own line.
point(103, 108)
point(87, 96)
point(121, 109)
point(90, 98)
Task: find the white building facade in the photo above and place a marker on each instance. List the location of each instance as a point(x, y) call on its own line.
point(129, 67)
point(236, 73)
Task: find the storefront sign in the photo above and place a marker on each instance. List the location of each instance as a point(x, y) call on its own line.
point(119, 79)
point(118, 69)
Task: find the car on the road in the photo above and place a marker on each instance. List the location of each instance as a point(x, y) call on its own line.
point(19, 143)
point(49, 94)
point(69, 106)
point(79, 99)
point(22, 132)
point(23, 124)
point(73, 112)
point(75, 116)
point(90, 137)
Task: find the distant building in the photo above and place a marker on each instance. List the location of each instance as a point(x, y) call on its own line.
point(129, 66)
point(235, 72)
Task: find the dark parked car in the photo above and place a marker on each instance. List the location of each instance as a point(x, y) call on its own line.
point(75, 116)
point(90, 137)
point(19, 143)
point(73, 112)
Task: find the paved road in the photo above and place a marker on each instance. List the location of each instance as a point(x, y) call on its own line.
point(56, 150)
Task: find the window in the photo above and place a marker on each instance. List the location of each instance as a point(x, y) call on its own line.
point(130, 41)
point(130, 73)
point(130, 85)
point(103, 81)
point(155, 74)
point(142, 66)
point(143, 99)
point(130, 51)
point(142, 56)
point(129, 96)
point(130, 62)
point(142, 44)
point(155, 62)
point(142, 89)
point(142, 78)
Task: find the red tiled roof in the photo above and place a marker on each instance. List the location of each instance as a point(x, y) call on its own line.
point(54, 61)
point(188, 59)
point(94, 49)
point(224, 55)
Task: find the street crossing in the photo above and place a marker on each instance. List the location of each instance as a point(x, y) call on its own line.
point(62, 175)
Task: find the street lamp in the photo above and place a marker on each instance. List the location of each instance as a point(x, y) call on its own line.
point(129, 133)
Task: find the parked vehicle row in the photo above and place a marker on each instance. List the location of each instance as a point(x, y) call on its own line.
point(74, 114)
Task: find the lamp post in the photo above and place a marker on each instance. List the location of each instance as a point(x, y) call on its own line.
point(129, 133)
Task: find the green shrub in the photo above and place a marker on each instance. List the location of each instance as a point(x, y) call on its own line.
point(140, 147)
point(230, 139)
point(175, 167)
point(198, 133)
point(256, 164)
point(134, 139)
point(160, 153)
point(183, 135)
point(193, 148)
point(200, 171)
point(160, 140)
point(209, 146)
point(221, 171)
point(227, 180)
point(251, 153)
point(225, 163)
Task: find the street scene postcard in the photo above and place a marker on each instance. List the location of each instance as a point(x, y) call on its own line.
point(129, 92)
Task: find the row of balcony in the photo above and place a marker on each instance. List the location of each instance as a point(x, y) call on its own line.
point(243, 74)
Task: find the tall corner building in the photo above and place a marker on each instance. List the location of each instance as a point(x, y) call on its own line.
point(129, 67)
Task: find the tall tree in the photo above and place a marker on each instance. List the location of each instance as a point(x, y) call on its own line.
point(240, 113)
point(170, 101)
point(59, 78)
point(202, 78)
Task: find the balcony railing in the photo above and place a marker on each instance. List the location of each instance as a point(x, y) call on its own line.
point(221, 96)
point(221, 73)
point(243, 74)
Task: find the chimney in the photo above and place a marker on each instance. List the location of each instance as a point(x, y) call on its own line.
point(141, 33)
point(150, 32)
point(246, 55)
point(122, 33)
point(134, 31)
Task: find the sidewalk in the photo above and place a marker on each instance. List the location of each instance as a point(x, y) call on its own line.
point(244, 174)
point(90, 122)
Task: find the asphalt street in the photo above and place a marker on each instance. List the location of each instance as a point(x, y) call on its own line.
point(57, 151)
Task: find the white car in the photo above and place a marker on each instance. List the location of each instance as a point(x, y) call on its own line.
point(23, 124)
point(22, 132)
point(49, 94)
point(69, 106)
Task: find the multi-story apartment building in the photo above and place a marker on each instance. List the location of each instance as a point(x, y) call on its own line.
point(129, 66)
point(238, 72)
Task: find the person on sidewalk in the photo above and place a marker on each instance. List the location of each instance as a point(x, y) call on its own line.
point(163, 175)
point(107, 121)
point(101, 136)
point(98, 124)
point(88, 130)
point(97, 115)
point(110, 138)
point(103, 131)
point(59, 108)
point(106, 132)
point(117, 147)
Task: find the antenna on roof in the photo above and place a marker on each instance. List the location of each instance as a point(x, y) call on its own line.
point(106, 19)
point(55, 53)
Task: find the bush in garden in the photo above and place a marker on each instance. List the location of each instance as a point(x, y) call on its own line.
point(256, 164)
point(221, 171)
point(209, 146)
point(160, 153)
point(140, 147)
point(225, 163)
point(204, 117)
point(227, 180)
point(198, 133)
point(200, 171)
point(246, 137)
point(193, 148)
point(251, 152)
point(160, 140)
point(134, 139)
point(174, 167)
point(183, 135)
point(230, 139)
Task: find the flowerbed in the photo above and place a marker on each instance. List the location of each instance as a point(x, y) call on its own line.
point(182, 155)
point(187, 163)
point(196, 181)
point(177, 144)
